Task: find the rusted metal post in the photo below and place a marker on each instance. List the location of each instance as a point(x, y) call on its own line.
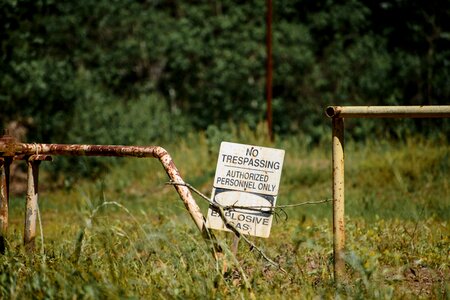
point(31, 206)
point(5, 163)
point(269, 67)
point(338, 199)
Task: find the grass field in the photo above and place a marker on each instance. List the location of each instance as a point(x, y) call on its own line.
point(127, 235)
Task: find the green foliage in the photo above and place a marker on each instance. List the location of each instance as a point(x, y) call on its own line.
point(70, 67)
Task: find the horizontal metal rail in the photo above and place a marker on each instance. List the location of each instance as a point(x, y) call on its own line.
point(442, 111)
point(11, 150)
point(338, 113)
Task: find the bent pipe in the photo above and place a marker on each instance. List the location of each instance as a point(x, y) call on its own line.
point(126, 151)
point(12, 148)
point(432, 111)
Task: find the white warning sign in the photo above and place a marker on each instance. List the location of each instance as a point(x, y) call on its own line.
point(246, 176)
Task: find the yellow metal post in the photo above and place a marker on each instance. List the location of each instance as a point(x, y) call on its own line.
point(338, 199)
point(338, 113)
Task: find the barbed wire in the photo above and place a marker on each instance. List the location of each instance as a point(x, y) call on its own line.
point(261, 208)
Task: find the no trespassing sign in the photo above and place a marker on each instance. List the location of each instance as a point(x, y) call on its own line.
point(246, 176)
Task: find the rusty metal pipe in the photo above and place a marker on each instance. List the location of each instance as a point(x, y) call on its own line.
point(123, 151)
point(433, 111)
point(90, 150)
point(10, 148)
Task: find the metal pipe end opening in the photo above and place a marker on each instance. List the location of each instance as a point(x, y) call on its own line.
point(331, 111)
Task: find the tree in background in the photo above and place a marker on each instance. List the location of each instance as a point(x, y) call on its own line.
point(142, 71)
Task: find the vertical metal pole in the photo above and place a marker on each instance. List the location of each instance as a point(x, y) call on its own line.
point(31, 205)
point(5, 164)
point(269, 67)
point(338, 199)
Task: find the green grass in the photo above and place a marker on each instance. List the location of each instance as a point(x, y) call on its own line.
point(127, 235)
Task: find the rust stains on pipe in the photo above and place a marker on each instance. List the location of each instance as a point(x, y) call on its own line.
point(88, 150)
point(124, 151)
point(432, 111)
point(183, 191)
point(11, 147)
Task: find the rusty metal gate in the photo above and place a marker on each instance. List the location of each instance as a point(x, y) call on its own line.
point(34, 154)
